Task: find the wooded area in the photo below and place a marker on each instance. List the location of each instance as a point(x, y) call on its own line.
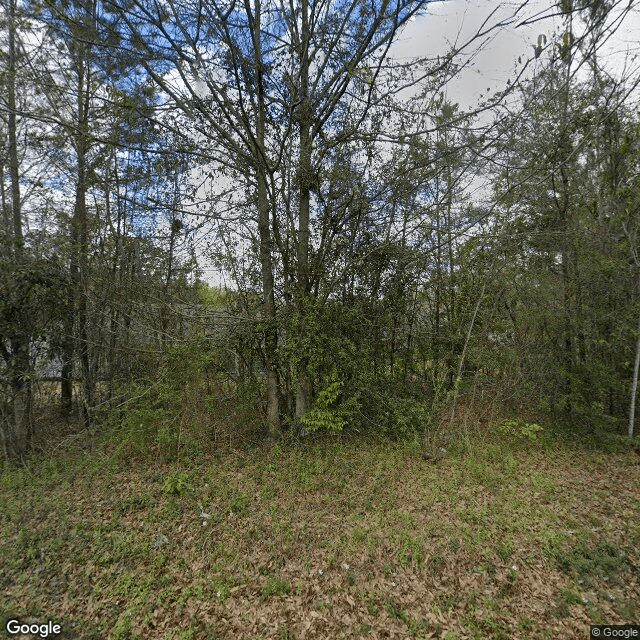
point(384, 256)
point(295, 343)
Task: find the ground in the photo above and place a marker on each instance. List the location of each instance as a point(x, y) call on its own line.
point(327, 540)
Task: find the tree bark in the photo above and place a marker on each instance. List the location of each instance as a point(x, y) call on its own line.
point(14, 163)
point(634, 384)
point(269, 310)
point(264, 232)
point(305, 180)
point(564, 207)
point(18, 433)
point(80, 231)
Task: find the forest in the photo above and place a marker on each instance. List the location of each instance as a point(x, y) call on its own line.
point(256, 266)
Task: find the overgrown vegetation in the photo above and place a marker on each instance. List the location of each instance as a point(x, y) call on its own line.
point(368, 288)
point(292, 345)
point(336, 539)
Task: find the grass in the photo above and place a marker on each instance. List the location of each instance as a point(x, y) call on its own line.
point(329, 541)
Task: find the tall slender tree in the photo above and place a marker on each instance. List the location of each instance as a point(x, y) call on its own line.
point(272, 88)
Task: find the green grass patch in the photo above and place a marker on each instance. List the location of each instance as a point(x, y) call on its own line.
point(584, 561)
point(275, 586)
point(152, 543)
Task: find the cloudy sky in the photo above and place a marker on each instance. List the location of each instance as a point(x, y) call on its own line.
point(493, 59)
point(453, 22)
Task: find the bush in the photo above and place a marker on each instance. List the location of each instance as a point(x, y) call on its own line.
point(168, 415)
point(324, 415)
point(176, 484)
point(514, 429)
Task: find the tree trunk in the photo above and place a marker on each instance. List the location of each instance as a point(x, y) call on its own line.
point(269, 310)
point(79, 267)
point(117, 267)
point(14, 163)
point(66, 372)
point(17, 434)
point(436, 337)
point(634, 384)
point(305, 181)
point(264, 232)
point(463, 355)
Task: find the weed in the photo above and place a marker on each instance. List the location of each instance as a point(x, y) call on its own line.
point(411, 552)
point(446, 602)
point(569, 596)
point(602, 561)
point(176, 484)
point(436, 564)
point(507, 587)
point(14, 479)
point(595, 614)
point(513, 429)
point(286, 633)
point(239, 503)
point(564, 600)
point(628, 610)
point(396, 612)
point(274, 586)
point(373, 605)
point(415, 626)
point(505, 549)
point(133, 503)
point(526, 624)
point(185, 596)
point(542, 483)
point(172, 509)
point(484, 473)
point(220, 589)
point(492, 627)
point(107, 525)
point(364, 629)
point(324, 415)
point(359, 535)
point(123, 628)
point(510, 465)
point(472, 600)
point(455, 545)
point(324, 605)
point(28, 544)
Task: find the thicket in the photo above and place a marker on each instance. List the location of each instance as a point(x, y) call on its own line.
point(372, 286)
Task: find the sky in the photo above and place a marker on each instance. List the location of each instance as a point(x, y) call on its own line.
point(450, 22)
point(492, 59)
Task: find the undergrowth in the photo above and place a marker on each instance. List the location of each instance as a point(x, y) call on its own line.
point(132, 541)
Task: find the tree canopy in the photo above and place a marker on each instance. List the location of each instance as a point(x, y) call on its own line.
point(379, 257)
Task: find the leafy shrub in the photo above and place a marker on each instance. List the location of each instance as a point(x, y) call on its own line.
point(176, 484)
point(164, 415)
point(133, 427)
point(391, 412)
point(324, 416)
point(518, 430)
